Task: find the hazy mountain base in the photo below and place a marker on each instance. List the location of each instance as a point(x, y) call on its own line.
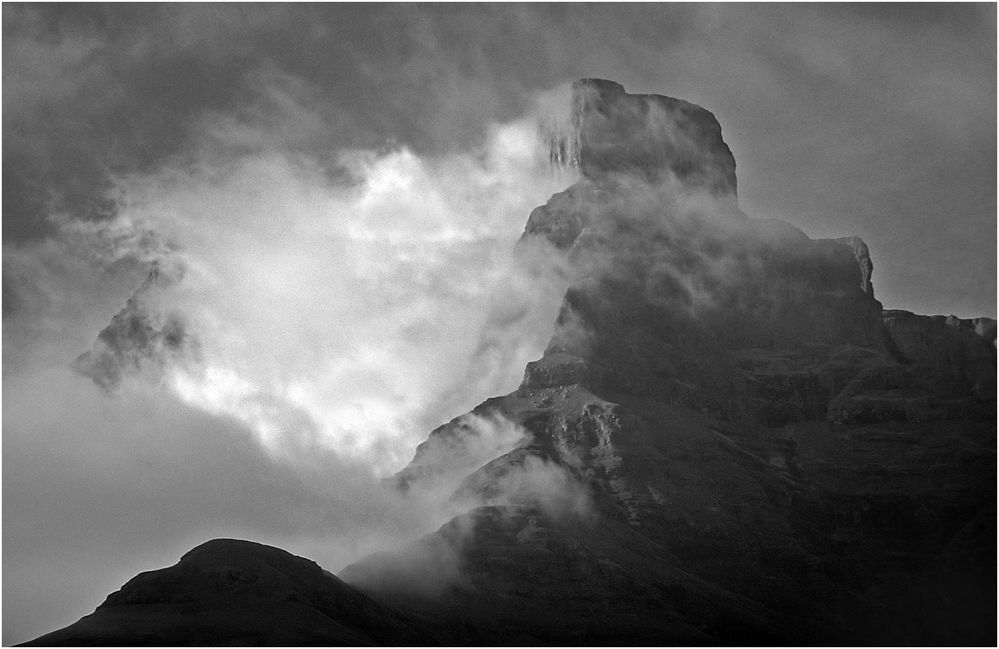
point(727, 441)
point(814, 533)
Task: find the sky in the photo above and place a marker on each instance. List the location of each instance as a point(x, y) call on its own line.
point(341, 188)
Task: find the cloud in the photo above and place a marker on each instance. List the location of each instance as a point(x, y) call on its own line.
point(341, 307)
point(828, 109)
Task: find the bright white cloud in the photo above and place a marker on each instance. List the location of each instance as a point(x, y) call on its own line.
point(343, 314)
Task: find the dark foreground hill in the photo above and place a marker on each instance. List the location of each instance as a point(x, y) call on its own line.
point(727, 441)
point(231, 592)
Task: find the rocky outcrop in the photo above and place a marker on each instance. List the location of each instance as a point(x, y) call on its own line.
point(648, 136)
point(863, 257)
point(957, 356)
point(142, 336)
point(672, 289)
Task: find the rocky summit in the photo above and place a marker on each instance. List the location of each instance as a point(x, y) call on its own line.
point(726, 441)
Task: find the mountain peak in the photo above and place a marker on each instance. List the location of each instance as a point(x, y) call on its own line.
point(229, 591)
point(649, 137)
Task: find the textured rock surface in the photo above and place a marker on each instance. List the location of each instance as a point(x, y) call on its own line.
point(957, 355)
point(140, 337)
point(649, 136)
point(726, 441)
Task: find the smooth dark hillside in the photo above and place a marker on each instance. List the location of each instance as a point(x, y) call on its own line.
point(230, 592)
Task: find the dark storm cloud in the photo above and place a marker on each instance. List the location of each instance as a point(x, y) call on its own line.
point(100, 89)
point(845, 119)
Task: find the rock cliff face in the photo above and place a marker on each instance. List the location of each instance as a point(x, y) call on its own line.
point(650, 137)
point(726, 441)
point(956, 355)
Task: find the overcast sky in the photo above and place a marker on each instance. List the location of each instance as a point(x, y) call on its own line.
point(344, 184)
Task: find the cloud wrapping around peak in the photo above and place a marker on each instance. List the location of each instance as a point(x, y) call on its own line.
point(335, 307)
point(345, 307)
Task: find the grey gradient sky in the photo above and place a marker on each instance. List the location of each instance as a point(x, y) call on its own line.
point(870, 120)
